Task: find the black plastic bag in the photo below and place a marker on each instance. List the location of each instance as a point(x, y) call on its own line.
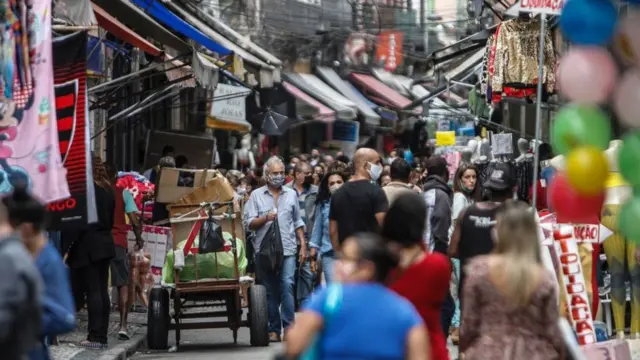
point(271, 253)
point(211, 239)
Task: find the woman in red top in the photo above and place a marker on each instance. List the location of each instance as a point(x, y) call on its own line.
point(422, 278)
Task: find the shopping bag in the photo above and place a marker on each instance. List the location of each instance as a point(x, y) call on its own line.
point(331, 306)
point(271, 253)
point(211, 239)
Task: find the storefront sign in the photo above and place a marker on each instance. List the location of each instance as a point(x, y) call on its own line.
point(550, 7)
point(389, 49)
point(577, 299)
point(229, 103)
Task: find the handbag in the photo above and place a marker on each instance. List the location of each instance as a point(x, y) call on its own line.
point(211, 239)
point(271, 252)
point(330, 308)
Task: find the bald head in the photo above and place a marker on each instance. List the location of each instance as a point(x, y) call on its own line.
point(364, 155)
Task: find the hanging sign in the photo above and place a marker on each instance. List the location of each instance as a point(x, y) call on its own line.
point(345, 135)
point(229, 103)
point(549, 7)
point(445, 138)
point(389, 49)
point(575, 288)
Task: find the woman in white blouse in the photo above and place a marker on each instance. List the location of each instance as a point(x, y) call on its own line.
point(466, 191)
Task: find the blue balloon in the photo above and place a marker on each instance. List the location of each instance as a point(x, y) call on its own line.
point(589, 22)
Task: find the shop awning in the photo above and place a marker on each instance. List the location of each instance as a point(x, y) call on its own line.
point(239, 39)
point(268, 74)
point(176, 69)
point(171, 20)
point(308, 107)
point(74, 12)
point(143, 24)
point(344, 108)
point(468, 64)
point(122, 32)
point(346, 89)
point(382, 93)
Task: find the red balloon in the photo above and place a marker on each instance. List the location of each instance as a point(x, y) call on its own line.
point(570, 206)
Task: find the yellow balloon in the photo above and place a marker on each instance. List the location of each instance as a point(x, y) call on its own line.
point(587, 170)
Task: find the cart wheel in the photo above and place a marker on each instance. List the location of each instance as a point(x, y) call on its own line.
point(258, 319)
point(158, 319)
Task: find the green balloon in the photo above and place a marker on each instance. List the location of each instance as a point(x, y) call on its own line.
point(628, 220)
point(629, 158)
point(579, 125)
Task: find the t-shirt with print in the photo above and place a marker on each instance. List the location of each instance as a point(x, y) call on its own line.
point(354, 207)
point(354, 333)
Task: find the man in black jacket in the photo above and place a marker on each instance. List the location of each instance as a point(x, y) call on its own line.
point(438, 196)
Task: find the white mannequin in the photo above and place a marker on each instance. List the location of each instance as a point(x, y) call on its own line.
point(243, 157)
point(470, 153)
point(558, 163)
point(616, 195)
point(523, 150)
point(484, 151)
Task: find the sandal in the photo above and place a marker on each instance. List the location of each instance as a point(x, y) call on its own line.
point(122, 335)
point(92, 345)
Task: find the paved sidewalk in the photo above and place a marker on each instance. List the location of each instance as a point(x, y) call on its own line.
point(117, 350)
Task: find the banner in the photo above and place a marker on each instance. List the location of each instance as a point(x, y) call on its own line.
point(389, 50)
point(70, 65)
point(28, 136)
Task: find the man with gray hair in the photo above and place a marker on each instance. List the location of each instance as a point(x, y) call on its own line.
point(263, 207)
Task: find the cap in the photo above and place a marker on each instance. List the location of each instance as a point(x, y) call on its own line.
point(436, 165)
point(502, 177)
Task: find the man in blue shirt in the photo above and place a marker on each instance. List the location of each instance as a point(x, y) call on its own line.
point(307, 194)
point(265, 205)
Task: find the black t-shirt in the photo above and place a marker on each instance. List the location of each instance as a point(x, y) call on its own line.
point(354, 207)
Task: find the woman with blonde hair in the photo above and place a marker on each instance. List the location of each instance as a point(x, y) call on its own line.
point(511, 304)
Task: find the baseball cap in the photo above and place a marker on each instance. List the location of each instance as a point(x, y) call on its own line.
point(502, 177)
point(436, 165)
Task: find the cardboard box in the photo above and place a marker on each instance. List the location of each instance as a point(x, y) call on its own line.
point(607, 350)
point(186, 186)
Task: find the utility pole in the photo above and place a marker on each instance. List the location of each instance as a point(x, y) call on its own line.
point(423, 29)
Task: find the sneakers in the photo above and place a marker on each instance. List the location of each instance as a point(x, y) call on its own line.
point(274, 337)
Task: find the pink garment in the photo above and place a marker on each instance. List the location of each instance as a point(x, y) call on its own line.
point(29, 137)
point(453, 161)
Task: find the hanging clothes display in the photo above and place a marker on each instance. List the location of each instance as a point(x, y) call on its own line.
point(512, 61)
point(28, 132)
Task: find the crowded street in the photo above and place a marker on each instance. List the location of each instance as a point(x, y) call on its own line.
point(319, 179)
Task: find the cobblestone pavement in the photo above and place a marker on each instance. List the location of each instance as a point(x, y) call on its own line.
point(69, 350)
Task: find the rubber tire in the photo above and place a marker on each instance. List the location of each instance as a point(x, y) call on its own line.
point(158, 319)
point(258, 316)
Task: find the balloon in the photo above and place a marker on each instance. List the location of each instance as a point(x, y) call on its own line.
point(626, 99)
point(571, 206)
point(587, 170)
point(629, 158)
point(587, 74)
point(629, 219)
point(588, 22)
point(626, 43)
point(580, 124)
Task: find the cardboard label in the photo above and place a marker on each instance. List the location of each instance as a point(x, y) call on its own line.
point(586, 233)
point(156, 242)
point(577, 299)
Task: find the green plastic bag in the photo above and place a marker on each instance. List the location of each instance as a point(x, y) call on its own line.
point(207, 263)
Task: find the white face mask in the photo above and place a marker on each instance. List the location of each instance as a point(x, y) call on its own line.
point(391, 159)
point(375, 171)
point(334, 188)
point(241, 191)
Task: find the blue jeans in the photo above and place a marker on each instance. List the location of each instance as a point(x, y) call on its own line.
point(327, 267)
point(280, 303)
point(306, 282)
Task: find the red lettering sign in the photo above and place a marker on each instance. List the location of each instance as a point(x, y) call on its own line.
point(62, 205)
point(588, 338)
point(578, 300)
point(583, 326)
point(586, 233)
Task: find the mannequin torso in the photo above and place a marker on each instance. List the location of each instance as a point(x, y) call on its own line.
point(523, 150)
point(243, 157)
point(617, 190)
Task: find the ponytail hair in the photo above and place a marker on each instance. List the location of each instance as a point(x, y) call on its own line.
point(24, 208)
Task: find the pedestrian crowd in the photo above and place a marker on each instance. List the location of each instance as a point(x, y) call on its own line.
point(383, 258)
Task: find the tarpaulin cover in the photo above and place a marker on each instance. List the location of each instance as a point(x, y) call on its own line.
point(207, 263)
